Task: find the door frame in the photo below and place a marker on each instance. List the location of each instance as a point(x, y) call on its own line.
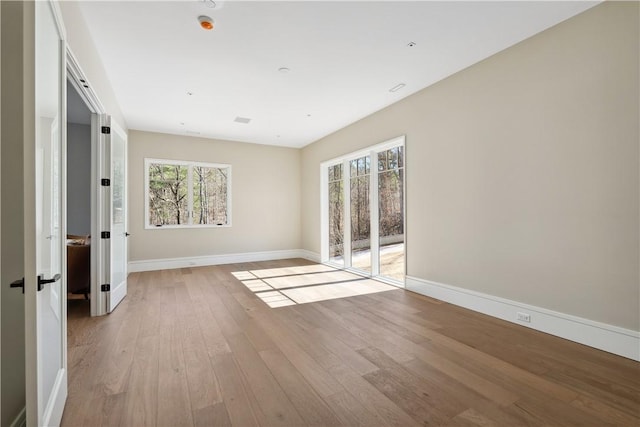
point(373, 203)
point(79, 81)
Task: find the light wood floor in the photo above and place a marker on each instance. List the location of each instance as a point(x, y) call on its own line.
point(196, 347)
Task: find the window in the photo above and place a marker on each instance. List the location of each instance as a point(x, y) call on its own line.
point(187, 194)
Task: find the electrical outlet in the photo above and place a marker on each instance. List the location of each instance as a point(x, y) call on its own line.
point(524, 317)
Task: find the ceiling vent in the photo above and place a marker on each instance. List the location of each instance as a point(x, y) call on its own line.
point(244, 120)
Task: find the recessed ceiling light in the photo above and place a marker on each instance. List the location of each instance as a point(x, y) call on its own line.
point(411, 44)
point(212, 4)
point(284, 70)
point(397, 87)
point(244, 120)
point(181, 123)
point(190, 93)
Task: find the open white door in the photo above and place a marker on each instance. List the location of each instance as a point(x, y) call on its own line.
point(114, 212)
point(44, 223)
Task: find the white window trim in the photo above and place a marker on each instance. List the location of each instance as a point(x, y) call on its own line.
point(190, 165)
point(346, 176)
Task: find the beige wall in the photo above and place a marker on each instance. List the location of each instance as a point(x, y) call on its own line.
point(522, 171)
point(265, 198)
point(12, 224)
point(78, 179)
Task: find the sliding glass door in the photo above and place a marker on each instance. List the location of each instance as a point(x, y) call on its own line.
point(360, 213)
point(363, 211)
point(391, 212)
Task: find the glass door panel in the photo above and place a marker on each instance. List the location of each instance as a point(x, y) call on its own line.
point(45, 300)
point(118, 201)
point(360, 214)
point(391, 213)
point(336, 215)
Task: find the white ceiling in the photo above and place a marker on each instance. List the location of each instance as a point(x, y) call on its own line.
point(343, 59)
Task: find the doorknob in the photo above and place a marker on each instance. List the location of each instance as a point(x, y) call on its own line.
point(18, 284)
point(42, 281)
point(126, 234)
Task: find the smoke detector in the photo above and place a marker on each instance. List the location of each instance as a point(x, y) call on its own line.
point(205, 22)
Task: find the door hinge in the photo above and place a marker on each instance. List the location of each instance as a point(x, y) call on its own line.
point(105, 288)
point(105, 182)
point(105, 234)
point(106, 130)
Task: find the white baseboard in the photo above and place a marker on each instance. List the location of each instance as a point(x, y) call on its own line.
point(613, 339)
point(311, 256)
point(21, 419)
point(201, 261)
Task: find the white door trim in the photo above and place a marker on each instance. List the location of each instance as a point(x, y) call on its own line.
point(83, 87)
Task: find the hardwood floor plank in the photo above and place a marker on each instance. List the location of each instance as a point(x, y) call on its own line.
point(351, 412)
point(502, 415)
point(321, 380)
point(482, 386)
point(195, 346)
point(106, 410)
point(214, 415)
point(174, 406)
point(275, 405)
point(204, 390)
point(141, 401)
point(346, 354)
point(471, 418)
point(556, 413)
point(236, 400)
point(606, 413)
point(513, 373)
point(439, 404)
point(372, 399)
point(307, 402)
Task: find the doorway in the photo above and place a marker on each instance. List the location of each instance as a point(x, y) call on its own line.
point(79, 155)
point(107, 189)
point(363, 211)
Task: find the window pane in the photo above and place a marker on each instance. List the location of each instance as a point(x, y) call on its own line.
point(360, 224)
point(391, 208)
point(336, 222)
point(335, 172)
point(354, 167)
point(210, 195)
point(167, 194)
point(400, 157)
point(393, 158)
point(382, 161)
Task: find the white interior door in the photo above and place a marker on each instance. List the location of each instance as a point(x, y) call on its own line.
point(45, 301)
point(118, 203)
point(112, 220)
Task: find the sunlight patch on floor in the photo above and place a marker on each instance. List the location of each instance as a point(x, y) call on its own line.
point(279, 287)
